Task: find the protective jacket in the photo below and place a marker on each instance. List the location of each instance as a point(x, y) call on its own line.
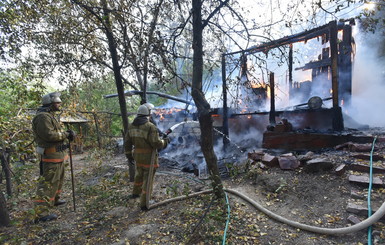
point(141, 139)
point(49, 138)
point(48, 135)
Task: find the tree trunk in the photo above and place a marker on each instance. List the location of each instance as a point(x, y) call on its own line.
point(4, 158)
point(117, 75)
point(204, 114)
point(4, 215)
point(116, 67)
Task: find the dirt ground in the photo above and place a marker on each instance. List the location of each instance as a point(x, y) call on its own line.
point(105, 215)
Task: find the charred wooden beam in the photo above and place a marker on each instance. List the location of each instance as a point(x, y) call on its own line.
point(300, 141)
point(345, 66)
point(272, 99)
point(338, 124)
point(225, 129)
point(315, 64)
point(366, 168)
point(290, 69)
point(300, 37)
point(309, 141)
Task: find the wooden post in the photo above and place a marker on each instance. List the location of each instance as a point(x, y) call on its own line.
point(225, 120)
point(290, 70)
point(345, 72)
point(72, 177)
point(97, 129)
point(337, 113)
point(272, 99)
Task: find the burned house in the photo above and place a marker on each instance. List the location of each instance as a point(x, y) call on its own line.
point(329, 79)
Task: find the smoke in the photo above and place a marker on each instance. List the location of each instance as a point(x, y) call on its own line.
point(366, 107)
point(368, 81)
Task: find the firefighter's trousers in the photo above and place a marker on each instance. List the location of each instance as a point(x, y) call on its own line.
point(49, 186)
point(141, 182)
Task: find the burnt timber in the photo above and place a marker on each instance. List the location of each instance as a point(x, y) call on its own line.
point(310, 141)
point(335, 62)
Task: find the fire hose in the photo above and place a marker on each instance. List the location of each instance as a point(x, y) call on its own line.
point(370, 191)
point(173, 127)
point(321, 230)
point(327, 231)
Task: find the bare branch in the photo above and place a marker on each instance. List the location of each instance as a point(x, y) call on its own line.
point(223, 3)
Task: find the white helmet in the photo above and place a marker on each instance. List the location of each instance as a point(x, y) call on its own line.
point(145, 109)
point(50, 98)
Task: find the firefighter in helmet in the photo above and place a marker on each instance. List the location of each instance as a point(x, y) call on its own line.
point(141, 143)
point(50, 139)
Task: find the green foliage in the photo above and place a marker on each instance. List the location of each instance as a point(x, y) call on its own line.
point(20, 172)
point(88, 96)
point(18, 91)
point(91, 95)
point(251, 169)
point(205, 218)
point(172, 188)
point(372, 18)
point(234, 170)
point(282, 185)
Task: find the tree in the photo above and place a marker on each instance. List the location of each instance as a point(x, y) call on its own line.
point(18, 91)
point(372, 19)
point(76, 40)
point(204, 113)
point(90, 38)
point(103, 17)
point(4, 215)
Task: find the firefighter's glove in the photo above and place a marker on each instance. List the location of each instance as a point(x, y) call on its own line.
point(162, 135)
point(71, 135)
point(166, 140)
point(130, 158)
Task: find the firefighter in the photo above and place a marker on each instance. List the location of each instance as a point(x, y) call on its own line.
point(141, 143)
point(50, 139)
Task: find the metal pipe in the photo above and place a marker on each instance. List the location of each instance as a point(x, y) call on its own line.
point(137, 92)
